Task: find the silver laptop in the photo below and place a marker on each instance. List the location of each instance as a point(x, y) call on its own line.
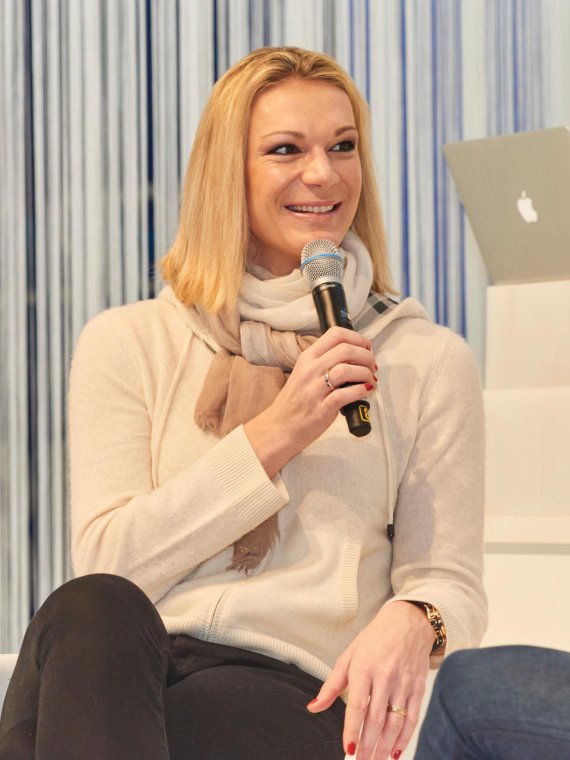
point(516, 192)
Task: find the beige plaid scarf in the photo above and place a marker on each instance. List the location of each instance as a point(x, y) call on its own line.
point(260, 342)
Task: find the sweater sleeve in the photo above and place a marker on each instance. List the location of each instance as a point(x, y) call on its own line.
point(438, 545)
point(120, 522)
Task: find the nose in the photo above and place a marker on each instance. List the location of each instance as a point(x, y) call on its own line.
point(319, 169)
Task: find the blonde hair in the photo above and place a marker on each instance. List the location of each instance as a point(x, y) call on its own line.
point(206, 261)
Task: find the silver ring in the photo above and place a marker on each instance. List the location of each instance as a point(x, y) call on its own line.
point(397, 709)
point(328, 381)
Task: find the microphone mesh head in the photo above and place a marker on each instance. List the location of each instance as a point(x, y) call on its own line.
point(321, 260)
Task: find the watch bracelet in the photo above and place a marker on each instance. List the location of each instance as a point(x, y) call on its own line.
point(436, 622)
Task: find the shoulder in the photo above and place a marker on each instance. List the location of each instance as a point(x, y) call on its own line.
point(136, 325)
point(432, 353)
point(135, 316)
point(408, 327)
point(431, 342)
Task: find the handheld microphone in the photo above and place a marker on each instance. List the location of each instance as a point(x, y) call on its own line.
point(322, 266)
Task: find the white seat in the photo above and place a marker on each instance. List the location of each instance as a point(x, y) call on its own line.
point(7, 663)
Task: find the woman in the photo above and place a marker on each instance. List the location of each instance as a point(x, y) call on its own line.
point(289, 562)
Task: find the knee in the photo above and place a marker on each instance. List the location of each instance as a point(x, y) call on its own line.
point(452, 707)
point(473, 680)
point(461, 678)
point(458, 669)
point(94, 601)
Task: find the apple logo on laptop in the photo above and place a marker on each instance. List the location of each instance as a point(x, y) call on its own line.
point(526, 209)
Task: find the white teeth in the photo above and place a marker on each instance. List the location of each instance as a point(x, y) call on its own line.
point(312, 209)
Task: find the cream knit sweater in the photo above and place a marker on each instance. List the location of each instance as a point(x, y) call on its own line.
point(157, 500)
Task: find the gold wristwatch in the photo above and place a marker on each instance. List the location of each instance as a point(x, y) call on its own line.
point(437, 624)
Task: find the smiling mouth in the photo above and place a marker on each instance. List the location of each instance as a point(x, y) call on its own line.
point(314, 209)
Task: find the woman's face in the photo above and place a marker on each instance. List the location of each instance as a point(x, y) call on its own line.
point(303, 172)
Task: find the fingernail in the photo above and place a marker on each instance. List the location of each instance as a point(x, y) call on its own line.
point(397, 754)
point(376, 367)
point(312, 702)
point(351, 749)
point(375, 378)
point(369, 386)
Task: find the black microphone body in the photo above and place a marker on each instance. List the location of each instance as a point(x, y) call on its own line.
point(330, 303)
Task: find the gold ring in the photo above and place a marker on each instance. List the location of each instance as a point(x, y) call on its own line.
point(397, 710)
point(328, 381)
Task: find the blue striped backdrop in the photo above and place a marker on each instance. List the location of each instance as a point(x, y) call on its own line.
point(99, 103)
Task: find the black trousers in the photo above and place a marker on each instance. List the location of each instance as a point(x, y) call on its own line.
point(99, 678)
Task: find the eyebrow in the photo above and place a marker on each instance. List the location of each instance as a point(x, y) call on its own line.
point(300, 135)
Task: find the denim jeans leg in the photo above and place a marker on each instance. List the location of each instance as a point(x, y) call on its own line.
point(501, 702)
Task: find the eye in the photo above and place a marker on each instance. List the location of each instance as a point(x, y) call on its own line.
point(285, 150)
point(346, 146)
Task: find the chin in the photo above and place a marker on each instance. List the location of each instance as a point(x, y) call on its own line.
point(334, 237)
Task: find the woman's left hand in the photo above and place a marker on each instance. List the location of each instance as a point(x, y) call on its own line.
point(387, 663)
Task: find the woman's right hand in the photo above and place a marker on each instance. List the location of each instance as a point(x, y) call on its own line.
point(306, 406)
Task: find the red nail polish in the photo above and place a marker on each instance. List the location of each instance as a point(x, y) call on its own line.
point(397, 754)
point(312, 702)
point(351, 749)
point(369, 386)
